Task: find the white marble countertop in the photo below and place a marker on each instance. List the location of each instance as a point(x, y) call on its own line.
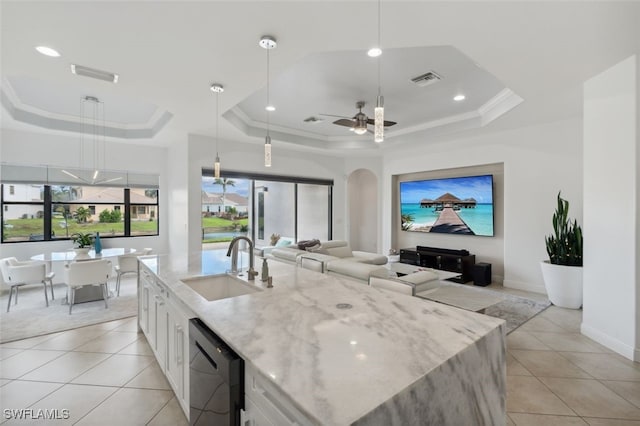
point(335, 365)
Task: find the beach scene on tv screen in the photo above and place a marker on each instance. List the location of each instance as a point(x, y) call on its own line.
point(462, 205)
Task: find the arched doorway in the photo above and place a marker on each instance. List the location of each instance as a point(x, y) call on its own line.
point(362, 193)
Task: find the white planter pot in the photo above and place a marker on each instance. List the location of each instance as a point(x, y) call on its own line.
point(82, 253)
point(563, 284)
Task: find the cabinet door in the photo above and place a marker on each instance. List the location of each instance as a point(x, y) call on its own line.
point(252, 416)
point(161, 329)
point(177, 355)
point(143, 311)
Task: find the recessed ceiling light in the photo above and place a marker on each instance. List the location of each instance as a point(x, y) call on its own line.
point(217, 88)
point(48, 51)
point(459, 98)
point(270, 108)
point(374, 52)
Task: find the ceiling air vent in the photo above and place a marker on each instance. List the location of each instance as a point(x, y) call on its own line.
point(94, 73)
point(313, 119)
point(426, 79)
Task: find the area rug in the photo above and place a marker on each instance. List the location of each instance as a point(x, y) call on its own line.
point(515, 310)
point(30, 317)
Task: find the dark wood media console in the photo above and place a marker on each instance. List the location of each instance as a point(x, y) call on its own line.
point(445, 259)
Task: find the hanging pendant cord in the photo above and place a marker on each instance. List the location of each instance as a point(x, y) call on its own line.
point(217, 95)
point(379, 46)
point(268, 112)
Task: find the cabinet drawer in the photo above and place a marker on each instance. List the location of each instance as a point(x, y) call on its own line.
point(277, 408)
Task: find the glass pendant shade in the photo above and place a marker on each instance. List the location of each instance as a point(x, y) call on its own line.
point(216, 167)
point(267, 151)
point(378, 118)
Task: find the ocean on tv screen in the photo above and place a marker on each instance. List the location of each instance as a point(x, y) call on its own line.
point(453, 205)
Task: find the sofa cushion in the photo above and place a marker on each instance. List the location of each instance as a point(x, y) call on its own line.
point(372, 258)
point(341, 251)
point(287, 253)
point(334, 244)
point(318, 249)
point(360, 271)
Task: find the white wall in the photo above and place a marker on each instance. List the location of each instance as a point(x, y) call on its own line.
point(249, 157)
point(611, 197)
point(538, 162)
point(354, 231)
point(362, 196)
point(31, 148)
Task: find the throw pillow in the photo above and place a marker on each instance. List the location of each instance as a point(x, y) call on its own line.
point(274, 239)
point(302, 245)
point(283, 242)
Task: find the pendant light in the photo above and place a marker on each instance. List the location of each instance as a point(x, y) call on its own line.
point(92, 112)
point(268, 43)
point(217, 89)
point(378, 112)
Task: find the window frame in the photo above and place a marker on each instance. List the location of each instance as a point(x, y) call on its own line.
point(47, 204)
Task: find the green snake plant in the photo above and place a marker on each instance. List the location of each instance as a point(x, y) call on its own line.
point(565, 245)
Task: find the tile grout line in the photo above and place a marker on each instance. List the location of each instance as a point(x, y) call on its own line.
point(614, 391)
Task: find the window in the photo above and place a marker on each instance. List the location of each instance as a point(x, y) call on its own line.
point(39, 212)
point(262, 205)
point(22, 213)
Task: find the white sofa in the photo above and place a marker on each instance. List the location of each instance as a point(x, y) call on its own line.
point(334, 257)
point(328, 251)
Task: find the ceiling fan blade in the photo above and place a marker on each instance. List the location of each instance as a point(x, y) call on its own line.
point(386, 123)
point(333, 115)
point(345, 122)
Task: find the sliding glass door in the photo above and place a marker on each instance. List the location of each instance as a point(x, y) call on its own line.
point(313, 211)
point(294, 208)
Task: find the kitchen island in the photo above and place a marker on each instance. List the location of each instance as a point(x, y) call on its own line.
point(344, 353)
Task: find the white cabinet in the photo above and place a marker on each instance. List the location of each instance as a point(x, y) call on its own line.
point(177, 370)
point(165, 323)
point(265, 404)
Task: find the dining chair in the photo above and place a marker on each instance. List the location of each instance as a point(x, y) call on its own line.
point(17, 274)
point(48, 277)
point(128, 264)
point(91, 272)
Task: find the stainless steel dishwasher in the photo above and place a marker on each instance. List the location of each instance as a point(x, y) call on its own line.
point(216, 375)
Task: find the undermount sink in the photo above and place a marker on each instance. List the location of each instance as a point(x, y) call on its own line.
point(218, 287)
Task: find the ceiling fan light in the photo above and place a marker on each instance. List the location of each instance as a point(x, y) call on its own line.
point(360, 130)
point(270, 108)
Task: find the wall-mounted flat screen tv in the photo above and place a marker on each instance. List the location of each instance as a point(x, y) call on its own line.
point(460, 205)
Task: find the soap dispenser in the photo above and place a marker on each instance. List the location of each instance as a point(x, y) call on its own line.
point(265, 270)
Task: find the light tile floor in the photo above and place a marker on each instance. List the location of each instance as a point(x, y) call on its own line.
point(105, 374)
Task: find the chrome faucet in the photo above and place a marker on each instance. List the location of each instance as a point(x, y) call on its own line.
point(233, 252)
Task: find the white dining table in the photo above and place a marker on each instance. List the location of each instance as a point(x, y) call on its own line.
point(70, 255)
point(89, 293)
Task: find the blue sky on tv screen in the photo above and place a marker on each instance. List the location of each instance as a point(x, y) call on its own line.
point(478, 187)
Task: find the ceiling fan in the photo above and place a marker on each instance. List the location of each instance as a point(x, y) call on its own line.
point(358, 123)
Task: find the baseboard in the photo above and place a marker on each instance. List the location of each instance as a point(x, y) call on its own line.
point(524, 286)
point(610, 342)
